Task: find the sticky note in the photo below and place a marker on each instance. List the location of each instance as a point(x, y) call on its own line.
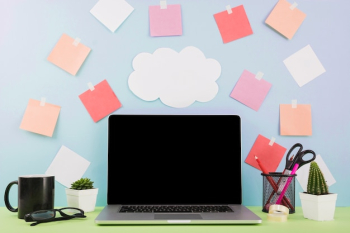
point(165, 22)
point(295, 121)
point(303, 173)
point(285, 19)
point(250, 91)
point(304, 65)
point(68, 55)
point(40, 119)
point(269, 155)
point(112, 13)
point(101, 101)
point(233, 26)
point(67, 166)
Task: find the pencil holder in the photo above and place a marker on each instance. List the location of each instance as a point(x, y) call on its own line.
point(273, 184)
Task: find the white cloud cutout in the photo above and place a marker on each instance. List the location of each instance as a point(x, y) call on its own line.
point(177, 79)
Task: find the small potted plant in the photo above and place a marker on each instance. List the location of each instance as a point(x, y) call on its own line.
point(317, 203)
point(82, 195)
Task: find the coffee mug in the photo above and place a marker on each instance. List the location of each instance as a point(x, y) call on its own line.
point(35, 192)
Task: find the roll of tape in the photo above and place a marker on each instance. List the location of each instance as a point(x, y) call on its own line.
point(278, 213)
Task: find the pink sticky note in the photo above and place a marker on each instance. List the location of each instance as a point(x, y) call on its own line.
point(69, 54)
point(295, 121)
point(165, 22)
point(285, 18)
point(250, 91)
point(101, 101)
point(40, 119)
point(233, 26)
point(269, 155)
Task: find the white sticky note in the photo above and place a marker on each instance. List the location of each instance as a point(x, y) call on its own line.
point(112, 13)
point(67, 166)
point(303, 173)
point(304, 65)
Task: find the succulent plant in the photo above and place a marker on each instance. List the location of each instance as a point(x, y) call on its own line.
point(83, 183)
point(316, 184)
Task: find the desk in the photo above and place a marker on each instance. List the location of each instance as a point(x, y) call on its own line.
point(296, 224)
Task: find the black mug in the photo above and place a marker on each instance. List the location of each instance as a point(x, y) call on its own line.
point(35, 192)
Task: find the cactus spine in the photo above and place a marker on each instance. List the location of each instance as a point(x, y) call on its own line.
point(316, 183)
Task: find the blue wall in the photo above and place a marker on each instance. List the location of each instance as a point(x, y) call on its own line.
point(30, 29)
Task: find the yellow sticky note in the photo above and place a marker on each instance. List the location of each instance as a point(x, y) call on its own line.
point(285, 18)
point(295, 121)
point(69, 54)
point(40, 119)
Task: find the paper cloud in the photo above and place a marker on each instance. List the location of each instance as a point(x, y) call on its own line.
point(177, 79)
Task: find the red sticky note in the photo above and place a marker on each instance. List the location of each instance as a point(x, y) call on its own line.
point(101, 101)
point(269, 155)
point(233, 26)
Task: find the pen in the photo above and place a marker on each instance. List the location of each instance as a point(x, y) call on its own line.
point(295, 168)
point(273, 184)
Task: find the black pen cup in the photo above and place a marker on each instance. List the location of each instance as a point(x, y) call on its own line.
point(273, 185)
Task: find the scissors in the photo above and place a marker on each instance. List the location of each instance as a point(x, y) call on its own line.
point(297, 159)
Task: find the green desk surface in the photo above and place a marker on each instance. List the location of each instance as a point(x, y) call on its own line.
point(296, 223)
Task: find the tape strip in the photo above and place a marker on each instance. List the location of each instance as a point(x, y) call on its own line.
point(294, 5)
point(91, 86)
point(278, 213)
point(163, 5)
point(294, 103)
point(42, 102)
point(259, 75)
point(229, 10)
point(76, 41)
point(272, 141)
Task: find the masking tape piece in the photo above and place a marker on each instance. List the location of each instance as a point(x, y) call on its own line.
point(42, 102)
point(259, 75)
point(294, 5)
point(294, 103)
point(76, 41)
point(272, 141)
point(91, 86)
point(229, 10)
point(163, 5)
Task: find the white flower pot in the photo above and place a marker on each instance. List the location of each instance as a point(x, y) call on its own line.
point(318, 207)
point(82, 199)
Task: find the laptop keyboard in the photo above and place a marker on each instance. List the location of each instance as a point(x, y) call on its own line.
point(175, 209)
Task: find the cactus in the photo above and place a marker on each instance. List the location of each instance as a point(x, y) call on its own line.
point(316, 184)
point(83, 183)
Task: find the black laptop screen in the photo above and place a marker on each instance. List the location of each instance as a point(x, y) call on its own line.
point(174, 159)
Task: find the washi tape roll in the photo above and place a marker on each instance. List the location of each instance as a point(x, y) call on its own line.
point(278, 213)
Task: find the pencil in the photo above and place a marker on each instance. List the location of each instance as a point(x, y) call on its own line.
point(285, 201)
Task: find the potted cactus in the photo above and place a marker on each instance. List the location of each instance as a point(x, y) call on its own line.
point(317, 203)
point(82, 195)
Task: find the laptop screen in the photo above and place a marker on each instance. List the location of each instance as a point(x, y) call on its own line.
point(174, 159)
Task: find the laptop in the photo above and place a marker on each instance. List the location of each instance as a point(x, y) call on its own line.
point(174, 169)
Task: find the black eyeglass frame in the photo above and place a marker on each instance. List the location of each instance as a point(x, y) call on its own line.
point(29, 217)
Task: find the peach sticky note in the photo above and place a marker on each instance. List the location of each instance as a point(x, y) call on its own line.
point(285, 18)
point(295, 121)
point(250, 90)
point(165, 22)
point(100, 101)
point(233, 26)
point(69, 54)
point(40, 118)
point(269, 154)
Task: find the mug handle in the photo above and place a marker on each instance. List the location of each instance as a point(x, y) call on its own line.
point(7, 202)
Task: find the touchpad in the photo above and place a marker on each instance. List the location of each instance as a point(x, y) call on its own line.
point(177, 216)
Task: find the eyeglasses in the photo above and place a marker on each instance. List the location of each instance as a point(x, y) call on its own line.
point(42, 216)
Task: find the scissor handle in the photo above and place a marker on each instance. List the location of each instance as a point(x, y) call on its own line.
point(290, 151)
point(301, 160)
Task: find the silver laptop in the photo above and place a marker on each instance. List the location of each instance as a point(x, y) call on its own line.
point(174, 169)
